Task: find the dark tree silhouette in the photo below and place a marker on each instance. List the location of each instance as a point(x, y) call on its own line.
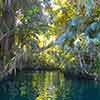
point(7, 22)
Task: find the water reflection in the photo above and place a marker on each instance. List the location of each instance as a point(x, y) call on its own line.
point(47, 86)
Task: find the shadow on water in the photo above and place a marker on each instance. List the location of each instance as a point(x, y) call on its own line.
point(41, 85)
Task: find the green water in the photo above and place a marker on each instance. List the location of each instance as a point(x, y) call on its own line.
point(47, 86)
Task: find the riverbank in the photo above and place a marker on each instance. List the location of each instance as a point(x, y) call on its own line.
point(80, 75)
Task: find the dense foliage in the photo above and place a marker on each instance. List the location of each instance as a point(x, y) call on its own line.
point(44, 32)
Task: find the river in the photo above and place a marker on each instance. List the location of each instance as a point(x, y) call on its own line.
point(47, 86)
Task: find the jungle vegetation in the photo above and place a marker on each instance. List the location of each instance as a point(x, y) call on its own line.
point(42, 33)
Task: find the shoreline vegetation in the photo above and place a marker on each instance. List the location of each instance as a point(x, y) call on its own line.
point(80, 75)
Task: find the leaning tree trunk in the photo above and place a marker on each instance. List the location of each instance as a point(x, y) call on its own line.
point(6, 27)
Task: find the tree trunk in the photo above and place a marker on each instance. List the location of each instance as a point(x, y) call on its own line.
point(7, 25)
